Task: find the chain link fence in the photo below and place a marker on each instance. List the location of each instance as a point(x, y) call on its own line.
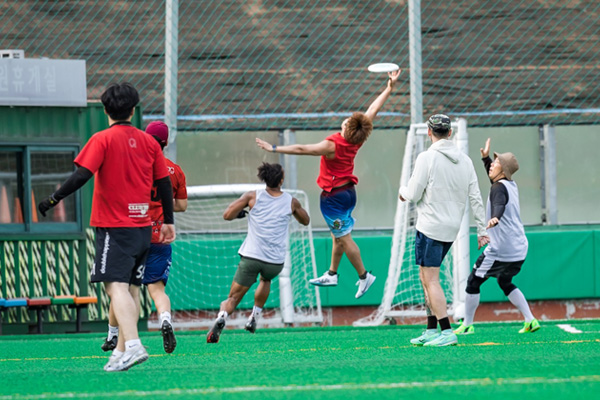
point(275, 64)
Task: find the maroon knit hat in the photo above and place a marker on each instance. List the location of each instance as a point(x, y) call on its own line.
point(160, 130)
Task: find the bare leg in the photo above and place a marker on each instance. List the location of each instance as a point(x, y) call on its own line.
point(262, 293)
point(236, 294)
point(352, 252)
point(125, 303)
point(428, 310)
point(337, 252)
point(435, 294)
point(161, 300)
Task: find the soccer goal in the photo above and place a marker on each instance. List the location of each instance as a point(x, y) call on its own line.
point(205, 258)
point(403, 295)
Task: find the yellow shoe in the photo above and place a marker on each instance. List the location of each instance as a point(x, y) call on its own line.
point(532, 326)
point(465, 329)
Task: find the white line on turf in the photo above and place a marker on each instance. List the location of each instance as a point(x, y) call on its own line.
point(309, 388)
point(568, 328)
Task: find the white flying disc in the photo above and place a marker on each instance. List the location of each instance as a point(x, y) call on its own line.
point(383, 67)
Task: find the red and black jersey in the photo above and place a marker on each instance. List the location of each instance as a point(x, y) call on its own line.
point(179, 192)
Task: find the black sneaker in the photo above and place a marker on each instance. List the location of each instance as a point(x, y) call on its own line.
point(111, 344)
point(215, 332)
point(169, 341)
point(251, 325)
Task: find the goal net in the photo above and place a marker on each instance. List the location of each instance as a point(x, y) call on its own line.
point(205, 258)
point(403, 294)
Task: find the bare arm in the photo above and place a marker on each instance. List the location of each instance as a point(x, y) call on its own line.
point(180, 205)
point(380, 100)
point(300, 213)
point(233, 210)
point(324, 148)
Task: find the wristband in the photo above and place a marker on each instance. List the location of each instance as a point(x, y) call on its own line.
point(274, 148)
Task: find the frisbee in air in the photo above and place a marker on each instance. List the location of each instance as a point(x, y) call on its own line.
point(383, 67)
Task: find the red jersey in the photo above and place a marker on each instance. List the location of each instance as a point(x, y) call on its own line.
point(125, 161)
point(339, 169)
point(179, 192)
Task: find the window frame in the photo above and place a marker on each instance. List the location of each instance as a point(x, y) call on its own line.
point(28, 227)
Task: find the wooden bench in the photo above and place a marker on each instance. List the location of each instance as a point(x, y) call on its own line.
point(78, 303)
point(39, 304)
point(9, 303)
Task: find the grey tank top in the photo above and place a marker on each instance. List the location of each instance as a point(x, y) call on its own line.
point(507, 239)
point(268, 223)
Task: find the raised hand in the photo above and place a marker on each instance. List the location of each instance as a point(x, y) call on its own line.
point(266, 146)
point(393, 77)
point(485, 151)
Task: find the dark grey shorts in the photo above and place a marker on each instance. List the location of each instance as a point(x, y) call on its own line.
point(249, 269)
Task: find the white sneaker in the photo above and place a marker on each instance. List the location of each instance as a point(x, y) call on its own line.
point(131, 357)
point(325, 280)
point(364, 284)
point(113, 361)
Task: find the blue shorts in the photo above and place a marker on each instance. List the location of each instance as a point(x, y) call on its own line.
point(158, 264)
point(430, 252)
point(336, 207)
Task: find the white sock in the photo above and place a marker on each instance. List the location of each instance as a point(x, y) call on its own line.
point(256, 312)
point(518, 299)
point(112, 331)
point(130, 344)
point(165, 316)
point(223, 314)
point(471, 304)
point(117, 353)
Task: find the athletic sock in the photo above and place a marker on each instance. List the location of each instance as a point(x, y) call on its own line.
point(165, 316)
point(363, 276)
point(130, 344)
point(332, 273)
point(432, 322)
point(223, 314)
point(471, 304)
point(112, 331)
point(444, 324)
point(518, 299)
point(117, 353)
point(256, 312)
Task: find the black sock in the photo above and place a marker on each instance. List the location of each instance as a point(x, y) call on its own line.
point(431, 322)
point(332, 273)
point(363, 276)
point(445, 324)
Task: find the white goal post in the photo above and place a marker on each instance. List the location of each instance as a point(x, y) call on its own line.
point(205, 258)
point(403, 295)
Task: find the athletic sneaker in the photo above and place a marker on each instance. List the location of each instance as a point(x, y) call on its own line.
point(111, 344)
point(168, 336)
point(325, 280)
point(532, 326)
point(251, 325)
point(364, 284)
point(446, 338)
point(112, 361)
point(428, 335)
point(465, 330)
point(131, 357)
point(215, 332)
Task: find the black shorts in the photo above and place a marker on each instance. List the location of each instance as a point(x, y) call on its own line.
point(121, 254)
point(488, 267)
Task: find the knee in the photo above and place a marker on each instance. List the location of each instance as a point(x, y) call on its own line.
point(506, 285)
point(474, 284)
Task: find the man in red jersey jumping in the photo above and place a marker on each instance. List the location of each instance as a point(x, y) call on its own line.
point(126, 163)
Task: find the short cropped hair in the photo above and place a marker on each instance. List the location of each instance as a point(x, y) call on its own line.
point(359, 128)
point(271, 174)
point(119, 100)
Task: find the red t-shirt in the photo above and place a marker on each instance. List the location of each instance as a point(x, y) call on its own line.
point(339, 169)
point(126, 161)
point(179, 192)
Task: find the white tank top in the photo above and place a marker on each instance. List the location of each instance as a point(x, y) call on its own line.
point(268, 223)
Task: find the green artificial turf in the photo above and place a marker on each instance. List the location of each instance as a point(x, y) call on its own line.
point(314, 363)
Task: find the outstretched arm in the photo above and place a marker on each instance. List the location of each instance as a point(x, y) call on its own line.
point(300, 213)
point(324, 148)
point(378, 103)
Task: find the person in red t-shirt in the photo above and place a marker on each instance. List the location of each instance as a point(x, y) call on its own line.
point(126, 163)
point(337, 179)
point(158, 263)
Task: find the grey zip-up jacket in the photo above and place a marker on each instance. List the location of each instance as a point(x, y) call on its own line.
point(442, 182)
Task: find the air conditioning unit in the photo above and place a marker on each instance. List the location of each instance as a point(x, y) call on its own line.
point(12, 54)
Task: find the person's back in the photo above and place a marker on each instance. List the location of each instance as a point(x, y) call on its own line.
point(268, 223)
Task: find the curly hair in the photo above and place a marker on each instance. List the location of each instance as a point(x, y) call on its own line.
point(359, 128)
point(271, 174)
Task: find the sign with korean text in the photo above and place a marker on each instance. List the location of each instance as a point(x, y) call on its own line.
point(42, 82)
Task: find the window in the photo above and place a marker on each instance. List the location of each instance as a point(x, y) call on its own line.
point(27, 175)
